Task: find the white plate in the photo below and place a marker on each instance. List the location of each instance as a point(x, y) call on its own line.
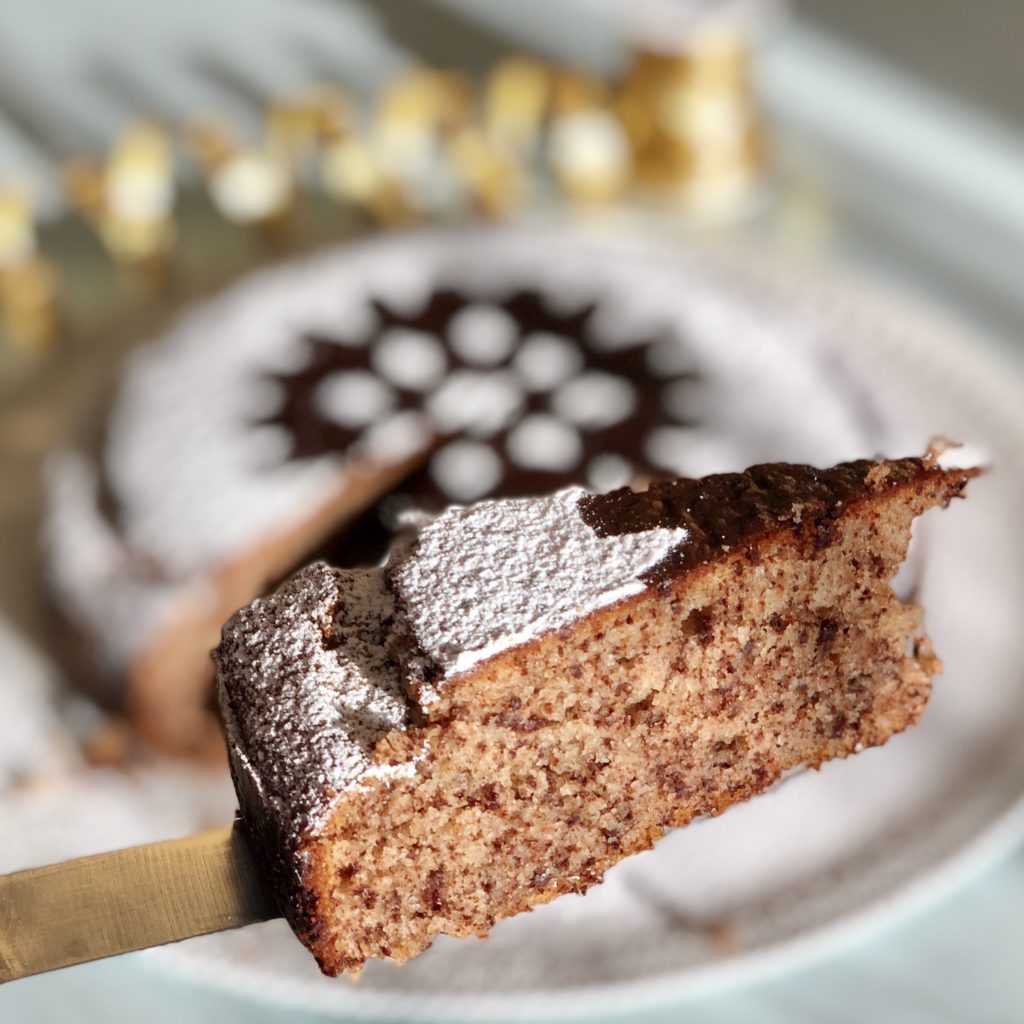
point(788, 874)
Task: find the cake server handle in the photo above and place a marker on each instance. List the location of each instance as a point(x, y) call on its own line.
point(129, 899)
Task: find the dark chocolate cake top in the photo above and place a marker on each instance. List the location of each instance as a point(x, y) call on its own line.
point(725, 511)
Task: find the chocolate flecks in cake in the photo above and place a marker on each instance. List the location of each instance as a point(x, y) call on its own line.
point(529, 398)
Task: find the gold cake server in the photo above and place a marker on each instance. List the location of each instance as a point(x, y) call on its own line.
point(129, 899)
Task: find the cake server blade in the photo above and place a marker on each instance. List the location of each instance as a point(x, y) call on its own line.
point(129, 899)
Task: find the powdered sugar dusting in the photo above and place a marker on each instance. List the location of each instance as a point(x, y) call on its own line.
point(107, 589)
point(307, 689)
point(484, 579)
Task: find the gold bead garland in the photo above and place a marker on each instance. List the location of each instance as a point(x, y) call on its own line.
point(28, 282)
point(679, 127)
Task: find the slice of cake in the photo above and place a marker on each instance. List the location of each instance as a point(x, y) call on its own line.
point(535, 688)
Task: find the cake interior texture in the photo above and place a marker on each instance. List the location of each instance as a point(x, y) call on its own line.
point(765, 641)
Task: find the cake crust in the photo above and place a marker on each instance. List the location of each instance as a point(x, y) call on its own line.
point(761, 633)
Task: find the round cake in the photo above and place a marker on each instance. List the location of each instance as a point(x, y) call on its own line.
point(317, 408)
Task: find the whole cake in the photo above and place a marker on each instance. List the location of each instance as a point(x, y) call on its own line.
point(531, 689)
point(306, 410)
point(303, 412)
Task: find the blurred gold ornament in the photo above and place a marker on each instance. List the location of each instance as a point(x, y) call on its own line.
point(425, 100)
point(720, 58)
point(659, 157)
point(139, 178)
point(573, 92)
point(292, 131)
point(250, 187)
point(17, 228)
point(247, 185)
point(129, 200)
point(493, 176)
point(705, 117)
point(690, 116)
point(28, 282)
point(589, 154)
point(352, 172)
point(352, 167)
point(295, 126)
point(587, 148)
point(336, 111)
point(516, 99)
point(414, 118)
point(210, 144)
point(29, 304)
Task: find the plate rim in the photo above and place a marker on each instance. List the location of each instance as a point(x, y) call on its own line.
point(785, 274)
